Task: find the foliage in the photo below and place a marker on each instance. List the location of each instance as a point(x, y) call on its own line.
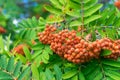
point(76, 9)
point(10, 69)
point(41, 62)
point(29, 28)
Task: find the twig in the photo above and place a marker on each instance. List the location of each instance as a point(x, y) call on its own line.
point(82, 16)
point(103, 72)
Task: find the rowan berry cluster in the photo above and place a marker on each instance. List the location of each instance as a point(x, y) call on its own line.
point(66, 44)
point(117, 4)
point(2, 30)
point(19, 49)
point(114, 46)
point(47, 36)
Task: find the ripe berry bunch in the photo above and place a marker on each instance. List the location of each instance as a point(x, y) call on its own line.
point(114, 46)
point(66, 44)
point(77, 50)
point(46, 37)
point(73, 48)
point(19, 49)
point(2, 30)
point(117, 4)
point(94, 48)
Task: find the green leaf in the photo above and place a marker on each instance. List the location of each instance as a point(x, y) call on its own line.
point(43, 59)
point(111, 33)
point(48, 50)
point(111, 63)
point(23, 24)
point(90, 4)
point(58, 72)
point(5, 76)
point(113, 76)
point(36, 54)
point(22, 34)
point(34, 21)
point(92, 66)
point(10, 72)
point(103, 34)
point(74, 13)
point(35, 72)
point(92, 10)
point(27, 53)
point(42, 76)
point(29, 23)
point(81, 76)
point(75, 23)
point(117, 73)
point(37, 60)
point(1, 43)
point(22, 58)
point(41, 21)
point(8, 42)
point(98, 76)
point(56, 4)
point(17, 68)
point(63, 2)
point(108, 78)
point(23, 73)
point(3, 61)
point(117, 22)
point(69, 74)
point(38, 46)
point(111, 19)
point(32, 34)
point(74, 77)
point(54, 19)
point(92, 18)
point(92, 75)
point(46, 55)
point(105, 52)
point(53, 10)
point(104, 15)
point(107, 67)
point(27, 34)
point(86, 1)
point(73, 5)
point(10, 65)
point(49, 74)
point(118, 33)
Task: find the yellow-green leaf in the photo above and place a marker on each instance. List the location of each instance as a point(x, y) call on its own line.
point(69, 74)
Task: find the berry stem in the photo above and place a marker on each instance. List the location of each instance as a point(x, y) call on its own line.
point(82, 16)
point(103, 72)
